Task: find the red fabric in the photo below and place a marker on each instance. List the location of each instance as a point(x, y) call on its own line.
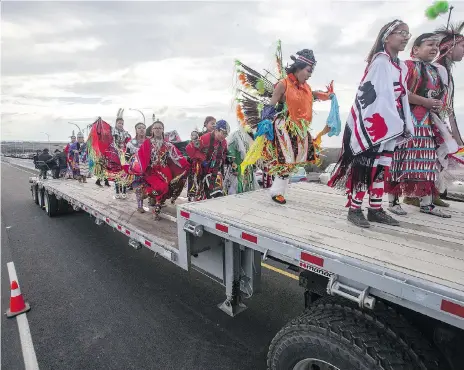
point(158, 174)
point(101, 137)
point(200, 152)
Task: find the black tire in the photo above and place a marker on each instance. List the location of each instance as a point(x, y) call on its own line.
point(35, 193)
point(51, 204)
point(349, 338)
point(40, 194)
point(64, 207)
point(426, 355)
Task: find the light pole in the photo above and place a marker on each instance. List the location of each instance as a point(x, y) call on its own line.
point(72, 123)
point(138, 110)
point(48, 137)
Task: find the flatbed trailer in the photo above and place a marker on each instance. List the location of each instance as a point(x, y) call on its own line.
point(379, 298)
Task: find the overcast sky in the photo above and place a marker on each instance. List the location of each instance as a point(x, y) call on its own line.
point(74, 61)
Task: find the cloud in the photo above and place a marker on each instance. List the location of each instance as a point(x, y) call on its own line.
point(75, 61)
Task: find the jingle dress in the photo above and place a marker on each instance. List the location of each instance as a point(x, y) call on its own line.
point(414, 168)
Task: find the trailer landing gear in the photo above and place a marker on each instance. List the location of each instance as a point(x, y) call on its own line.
point(232, 305)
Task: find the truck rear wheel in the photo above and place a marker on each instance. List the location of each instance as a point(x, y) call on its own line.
point(35, 193)
point(40, 194)
point(51, 204)
point(336, 336)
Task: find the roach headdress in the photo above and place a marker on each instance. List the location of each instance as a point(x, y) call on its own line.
point(450, 37)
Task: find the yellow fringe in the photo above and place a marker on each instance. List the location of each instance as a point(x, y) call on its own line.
point(254, 153)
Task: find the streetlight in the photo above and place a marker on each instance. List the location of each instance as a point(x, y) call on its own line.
point(138, 110)
point(48, 137)
point(72, 123)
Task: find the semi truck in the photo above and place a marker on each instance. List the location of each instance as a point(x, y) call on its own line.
point(379, 298)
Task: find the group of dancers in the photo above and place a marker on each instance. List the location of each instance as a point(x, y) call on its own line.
point(401, 133)
point(400, 136)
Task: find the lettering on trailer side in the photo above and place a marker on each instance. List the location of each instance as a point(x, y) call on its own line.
point(316, 270)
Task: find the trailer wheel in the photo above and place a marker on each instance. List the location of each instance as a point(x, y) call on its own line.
point(35, 194)
point(64, 207)
point(40, 193)
point(51, 204)
point(334, 337)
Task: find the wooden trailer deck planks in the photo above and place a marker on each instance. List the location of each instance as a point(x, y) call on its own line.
point(164, 232)
point(423, 246)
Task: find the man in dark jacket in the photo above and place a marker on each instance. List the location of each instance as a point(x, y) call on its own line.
point(59, 164)
point(44, 167)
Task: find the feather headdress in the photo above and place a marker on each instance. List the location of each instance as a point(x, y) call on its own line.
point(254, 90)
point(120, 114)
point(449, 37)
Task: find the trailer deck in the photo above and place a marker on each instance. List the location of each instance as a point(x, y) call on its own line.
point(424, 246)
point(99, 202)
point(419, 265)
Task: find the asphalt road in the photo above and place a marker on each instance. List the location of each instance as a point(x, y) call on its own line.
point(99, 304)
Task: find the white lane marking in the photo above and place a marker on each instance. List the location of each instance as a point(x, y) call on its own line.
point(30, 359)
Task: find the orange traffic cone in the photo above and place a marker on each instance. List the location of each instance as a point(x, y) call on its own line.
point(17, 304)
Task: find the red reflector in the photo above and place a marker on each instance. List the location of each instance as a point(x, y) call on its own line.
point(185, 214)
point(452, 308)
point(119, 227)
point(312, 259)
point(127, 232)
point(250, 238)
point(147, 243)
point(108, 220)
point(223, 228)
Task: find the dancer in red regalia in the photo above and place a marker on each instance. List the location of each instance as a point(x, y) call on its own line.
point(162, 167)
point(208, 154)
point(380, 119)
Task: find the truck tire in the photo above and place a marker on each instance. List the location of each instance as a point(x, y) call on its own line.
point(64, 207)
point(35, 193)
point(51, 204)
point(333, 336)
point(40, 193)
point(426, 355)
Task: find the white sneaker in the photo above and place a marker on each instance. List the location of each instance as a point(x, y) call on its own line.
point(116, 196)
point(123, 196)
point(397, 210)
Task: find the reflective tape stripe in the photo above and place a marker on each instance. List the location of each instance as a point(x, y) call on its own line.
point(318, 261)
